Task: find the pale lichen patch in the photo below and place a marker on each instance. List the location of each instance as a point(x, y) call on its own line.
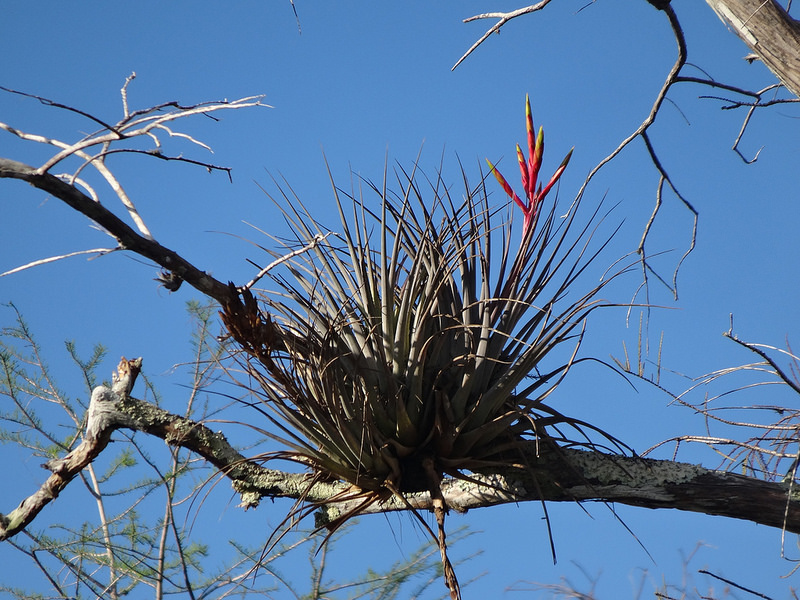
point(604, 470)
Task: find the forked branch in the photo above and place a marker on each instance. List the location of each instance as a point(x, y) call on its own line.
point(763, 24)
point(502, 19)
point(149, 123)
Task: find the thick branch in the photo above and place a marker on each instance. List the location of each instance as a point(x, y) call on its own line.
point(124, 234)
point(769, 32)
point(568, 475)
point(556, 475)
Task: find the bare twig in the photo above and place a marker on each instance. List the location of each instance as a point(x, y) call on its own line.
point(159, 155)
point(124, 234)
point(124, 93)
point(671, 78)
point(773, 443)
point(732, 104)
point(44, 261)
point(142, 122)
point(503, 18)
point(296, 17)
point(759, 349)
point(312, 244)
point(48, 102)
point(734, 584)
point(147, 122)
point(664, 177)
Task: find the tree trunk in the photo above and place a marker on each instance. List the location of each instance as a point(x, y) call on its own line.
point(770, 33)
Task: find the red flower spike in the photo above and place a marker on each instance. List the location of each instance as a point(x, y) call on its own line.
point(523, 167)
point(506, 188)
point(562, 167)
point(529, 125)
point(530, 172)
point(536, 154)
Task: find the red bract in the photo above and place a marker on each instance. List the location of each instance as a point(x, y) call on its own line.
point(530, 172)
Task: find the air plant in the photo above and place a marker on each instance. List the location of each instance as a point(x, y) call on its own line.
point(414, 347)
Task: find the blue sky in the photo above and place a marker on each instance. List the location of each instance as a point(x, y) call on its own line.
point(364, 80)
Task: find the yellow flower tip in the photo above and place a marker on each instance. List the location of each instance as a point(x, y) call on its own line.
point(567, 157)
point(539, 149)
point(528, 119)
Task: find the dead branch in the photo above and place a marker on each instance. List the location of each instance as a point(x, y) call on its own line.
point(771, 450)
point(102, 421)
point(502, 19)
point(769, 32)
point(149, 123)
point(93, 149)
point(127, 238)
point(44, 261)
point(732, 583)
point(760, 350)
point(761, 23)
point(310, 246)
point(764, 25)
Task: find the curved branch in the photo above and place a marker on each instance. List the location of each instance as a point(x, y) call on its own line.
point(549, 474)
point(672, 78)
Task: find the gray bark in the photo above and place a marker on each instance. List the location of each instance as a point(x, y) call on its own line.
point(552, 474)
point(770, 33)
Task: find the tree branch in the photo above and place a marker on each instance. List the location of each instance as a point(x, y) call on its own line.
point(127, 238)
point(502, 19)
point(545, 473)
point(102, 420)
point(569, 475)
point(770, 33)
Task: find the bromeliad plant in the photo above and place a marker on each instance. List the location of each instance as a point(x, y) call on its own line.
point(415, 347)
